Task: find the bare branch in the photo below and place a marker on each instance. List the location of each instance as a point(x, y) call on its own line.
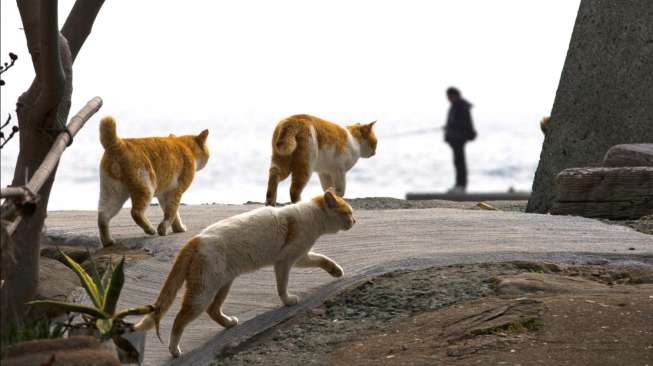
point(7, 122)
point(29, 14)
point(51, 160)
point(50, 70)
point(60, 144)
point(9, 65)
point(79, 23)
point(14, 131)
point(8, 192)
point(19, 201)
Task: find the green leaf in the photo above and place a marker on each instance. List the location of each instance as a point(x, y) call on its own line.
point(95, 275)
point(141, 310)
point(104, 325)
point(114, 288)
point(77, 308)
point(58, 331)
point(106, 276)
point(86, 280)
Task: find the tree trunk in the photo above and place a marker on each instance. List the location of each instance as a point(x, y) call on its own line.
point(42, 110)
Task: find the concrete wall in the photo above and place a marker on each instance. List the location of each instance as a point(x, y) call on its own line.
point(605, 95)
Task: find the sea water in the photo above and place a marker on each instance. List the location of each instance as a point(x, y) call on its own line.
point(411, 156)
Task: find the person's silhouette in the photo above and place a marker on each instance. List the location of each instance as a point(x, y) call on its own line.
point(458, 131)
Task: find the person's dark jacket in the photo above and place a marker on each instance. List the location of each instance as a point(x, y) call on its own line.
point(459, 127)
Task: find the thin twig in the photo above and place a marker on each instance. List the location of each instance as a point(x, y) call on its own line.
point(6, 123)
point(14, 130)
point(8, 66)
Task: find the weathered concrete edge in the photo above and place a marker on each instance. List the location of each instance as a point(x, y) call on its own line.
point(213, 348)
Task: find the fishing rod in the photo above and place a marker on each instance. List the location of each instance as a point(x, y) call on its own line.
point(413, 132)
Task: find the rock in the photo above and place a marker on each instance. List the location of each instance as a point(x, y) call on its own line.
point(56, 282)
point(514, 316)
point(635, 274)
point(72, 351)
point(604, 96)
point(544, 284)
point(317, 312)
point(629, 155)
point(612, 193)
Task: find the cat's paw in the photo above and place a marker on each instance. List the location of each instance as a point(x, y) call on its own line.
point(336, 271)
point(175, 351)
point(291, 300)
point(149, 231)
point(162, 229)
point(108, 242)
point(179, 228)
point(230, 321)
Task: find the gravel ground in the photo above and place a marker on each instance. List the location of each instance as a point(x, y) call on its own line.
point(381, 304)
point(385, 299)
point(643, 225)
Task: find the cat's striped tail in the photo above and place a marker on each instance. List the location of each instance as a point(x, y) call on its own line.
point(286, 137)
point(108, 136)
point(170, 288)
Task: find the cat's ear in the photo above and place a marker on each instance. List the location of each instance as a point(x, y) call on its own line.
point(330, 198)
point(367, 128)
point(201, 138)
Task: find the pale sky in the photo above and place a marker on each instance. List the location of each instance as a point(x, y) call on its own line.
point(283, 56)
point(354, 60)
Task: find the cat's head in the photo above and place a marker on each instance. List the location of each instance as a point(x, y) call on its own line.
point(364, 134)
point(338, 210)
point(199, 147)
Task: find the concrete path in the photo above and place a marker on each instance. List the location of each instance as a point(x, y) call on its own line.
point(405, 238)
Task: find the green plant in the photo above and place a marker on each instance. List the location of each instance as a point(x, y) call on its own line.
point(36, 329)
point(104, 292)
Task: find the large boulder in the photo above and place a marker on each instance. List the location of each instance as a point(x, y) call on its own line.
point(605, 95)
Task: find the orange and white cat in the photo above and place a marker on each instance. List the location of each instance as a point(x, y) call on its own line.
point(268, 236)
point(141, 168)
point(303, 144)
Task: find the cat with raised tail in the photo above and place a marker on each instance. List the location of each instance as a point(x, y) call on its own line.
point(268, 236)
point(143, 168)
point(303, 144)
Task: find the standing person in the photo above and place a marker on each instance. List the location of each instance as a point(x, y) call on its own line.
point(458, 131)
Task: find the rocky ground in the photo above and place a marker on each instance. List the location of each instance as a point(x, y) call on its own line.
point(643, 225)
point(471, 283)
point(516, 313)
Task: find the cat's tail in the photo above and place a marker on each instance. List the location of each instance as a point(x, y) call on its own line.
point(173, 283)
point(286, 137)
point(108, 136)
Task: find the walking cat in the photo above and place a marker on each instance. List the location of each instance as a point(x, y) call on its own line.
point(141, 168)
point(268, 236)
point(304, 144)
